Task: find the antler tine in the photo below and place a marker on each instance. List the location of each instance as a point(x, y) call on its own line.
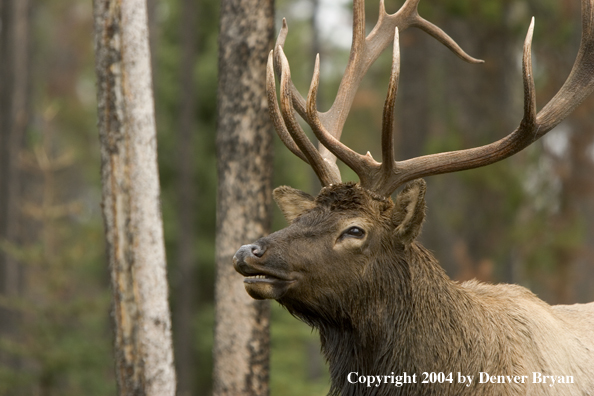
point(325, 173)
point(529, 119)
point(274, 111)
point(443, 38)
point(298, 101)
point(388, 116)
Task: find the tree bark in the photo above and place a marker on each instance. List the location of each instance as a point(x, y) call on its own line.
point(131, 208)
point(244, 151)
point(14, 119)
point(14, 88)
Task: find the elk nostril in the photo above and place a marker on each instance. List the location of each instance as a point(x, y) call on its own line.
point(258, 251)
point(248, 251)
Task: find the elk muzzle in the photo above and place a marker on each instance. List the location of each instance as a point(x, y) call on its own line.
point(261, 281)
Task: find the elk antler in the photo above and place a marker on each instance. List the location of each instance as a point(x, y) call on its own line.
point(384, 178)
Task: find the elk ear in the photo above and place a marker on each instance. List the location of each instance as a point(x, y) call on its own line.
point(293, 203)
point(409, 211)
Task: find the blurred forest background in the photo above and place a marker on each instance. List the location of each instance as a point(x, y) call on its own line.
point(527, 220)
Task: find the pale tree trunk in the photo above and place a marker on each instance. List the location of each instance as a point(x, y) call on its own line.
point(186, 285)
point(131, 208)
point(14, 118)
point(14, 86)
point(244, 150)
point(153, 24)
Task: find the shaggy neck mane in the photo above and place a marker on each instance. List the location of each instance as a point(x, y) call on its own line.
point(426, 316)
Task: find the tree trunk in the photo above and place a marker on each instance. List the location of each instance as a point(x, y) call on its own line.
point(131, 208)
point(186, 287)
point(244, 150)
point(14, 79)
point(14, 118)
point(154, 33)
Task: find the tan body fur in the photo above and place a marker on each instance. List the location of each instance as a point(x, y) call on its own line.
point(514, 333)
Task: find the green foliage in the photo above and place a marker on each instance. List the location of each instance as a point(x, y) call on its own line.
point(62, 342)
point(292, 342)
point(489, 11)
point(64, 334)
point(203, 326)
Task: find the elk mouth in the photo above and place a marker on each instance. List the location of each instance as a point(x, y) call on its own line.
point(261, 278)
point(266, 286)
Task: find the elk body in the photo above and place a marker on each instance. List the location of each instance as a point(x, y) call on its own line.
point(349, 264)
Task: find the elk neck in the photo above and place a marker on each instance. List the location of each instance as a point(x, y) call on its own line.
point(412, 318)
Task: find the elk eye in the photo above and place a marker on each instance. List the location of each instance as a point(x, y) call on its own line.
point(354, 232)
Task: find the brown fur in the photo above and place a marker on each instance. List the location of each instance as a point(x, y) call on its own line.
point(383, 305)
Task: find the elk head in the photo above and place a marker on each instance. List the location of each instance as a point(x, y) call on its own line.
point(356, 232)
point(336, 241)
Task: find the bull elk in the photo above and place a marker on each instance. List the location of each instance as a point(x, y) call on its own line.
point(348, 263)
